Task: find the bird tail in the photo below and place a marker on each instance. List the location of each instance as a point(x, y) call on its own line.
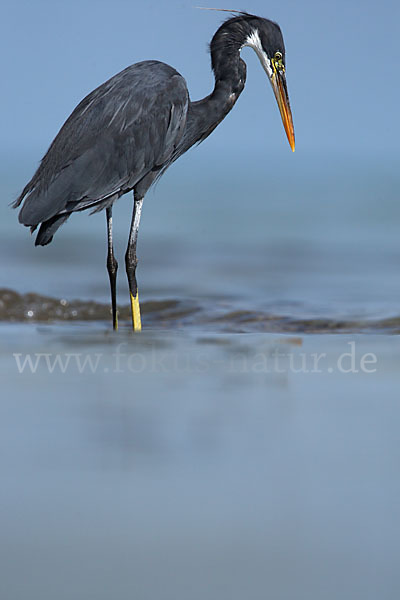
point(48, 228)
point(30, 186)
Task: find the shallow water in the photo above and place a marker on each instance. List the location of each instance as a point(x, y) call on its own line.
point(218, 316)
point(245, 443)
point(318, 246)
point(192, 465)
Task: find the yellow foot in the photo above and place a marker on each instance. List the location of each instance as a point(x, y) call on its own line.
point(135, 310)
point(115, 323)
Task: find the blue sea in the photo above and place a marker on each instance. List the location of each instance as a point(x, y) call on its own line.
point(245, 444)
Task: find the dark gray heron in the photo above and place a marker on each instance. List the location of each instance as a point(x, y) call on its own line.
point(128, 131)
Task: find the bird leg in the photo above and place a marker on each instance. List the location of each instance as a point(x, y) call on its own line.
point(131, 262)
point(112, 267)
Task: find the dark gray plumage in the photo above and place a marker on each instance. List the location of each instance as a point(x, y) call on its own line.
point(125, 133)
point(117, 138)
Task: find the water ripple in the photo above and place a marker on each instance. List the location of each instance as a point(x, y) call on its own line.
point(173, 313)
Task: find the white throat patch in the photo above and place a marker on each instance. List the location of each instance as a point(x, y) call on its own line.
point(253, 40)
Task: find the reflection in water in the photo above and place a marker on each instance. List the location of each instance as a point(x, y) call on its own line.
point(187, 469)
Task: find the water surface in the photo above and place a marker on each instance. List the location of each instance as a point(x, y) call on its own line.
point(245, 443)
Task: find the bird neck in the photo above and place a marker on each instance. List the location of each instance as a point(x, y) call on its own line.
point(225, 49)
point(230, 77)
point(205, 114)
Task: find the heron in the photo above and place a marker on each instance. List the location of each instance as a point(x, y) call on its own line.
point(124, 135)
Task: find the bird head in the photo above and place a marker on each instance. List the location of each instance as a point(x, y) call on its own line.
point(265, 37)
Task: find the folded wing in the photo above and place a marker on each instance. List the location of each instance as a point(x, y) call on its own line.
point(125, 129)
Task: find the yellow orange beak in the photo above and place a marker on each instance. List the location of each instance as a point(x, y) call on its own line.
point(278, 82)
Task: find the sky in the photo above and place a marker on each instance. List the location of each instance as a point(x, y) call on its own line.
point(342, 71)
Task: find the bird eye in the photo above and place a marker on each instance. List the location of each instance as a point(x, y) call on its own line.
point(278, 56)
